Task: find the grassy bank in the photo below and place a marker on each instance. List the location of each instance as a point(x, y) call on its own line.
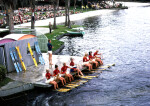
point(5, 81)
point(61, 29)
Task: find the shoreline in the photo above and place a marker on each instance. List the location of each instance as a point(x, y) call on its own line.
point(79, 16)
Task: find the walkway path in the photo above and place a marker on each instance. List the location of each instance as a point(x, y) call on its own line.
point(73, 17)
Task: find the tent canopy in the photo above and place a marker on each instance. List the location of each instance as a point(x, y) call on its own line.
point(15, 37)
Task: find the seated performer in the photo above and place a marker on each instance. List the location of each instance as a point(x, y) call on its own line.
point(86, 62)
point(58, 75)
point(64, 71)
point(92, 59)
point(50, 80)
point(98, 58)
point(74, 68)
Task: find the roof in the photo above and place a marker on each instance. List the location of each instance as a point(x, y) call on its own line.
point(26, 37)
point(15, 37)
point(2, 41)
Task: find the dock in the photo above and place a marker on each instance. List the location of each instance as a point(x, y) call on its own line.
point(35, 76)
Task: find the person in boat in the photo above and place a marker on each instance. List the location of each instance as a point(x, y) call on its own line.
point(74, 68)
point(66, 73)
point(50, 46)
point(98, 57)
point(57, 74)
point(86, 62)
point(50, 80)
point(92, 59)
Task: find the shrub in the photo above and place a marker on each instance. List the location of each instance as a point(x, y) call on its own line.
point(2, 72)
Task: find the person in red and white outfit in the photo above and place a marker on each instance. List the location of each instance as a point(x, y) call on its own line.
point(74, 68)
point(86, 62)
point(66, 73)
point(57, 74)
point(50, 80)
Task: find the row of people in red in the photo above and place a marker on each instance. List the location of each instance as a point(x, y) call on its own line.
point(57, 74)
point(90, 59)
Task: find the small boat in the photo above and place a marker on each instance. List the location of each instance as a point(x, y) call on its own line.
point(79, 28)
point(76, 32)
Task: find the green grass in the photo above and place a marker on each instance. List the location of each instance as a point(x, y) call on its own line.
point(61, 29)
point(5, 81)
point(1, 16)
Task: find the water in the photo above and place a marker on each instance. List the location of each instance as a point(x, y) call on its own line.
point(123, 37)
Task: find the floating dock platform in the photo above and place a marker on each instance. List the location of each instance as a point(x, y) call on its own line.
point(35, 76)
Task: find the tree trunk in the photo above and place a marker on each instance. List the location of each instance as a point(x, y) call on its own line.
point(54, 25)
point(74, 6)
point(87, 5)
point(11, 21)
point(7, 16)
point(82, 5)
point(66, 11)
point(32, 4)
point(69, 24)
point(57, 5)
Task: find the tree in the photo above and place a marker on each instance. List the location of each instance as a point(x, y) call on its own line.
point(55, 4)
point(9, 6)
point(67, 8)
point(74, 5)
point(87, 5)
point(82, 5)
point(66, 19)
point(32, 5)
point(57, 8)
point(69, 24)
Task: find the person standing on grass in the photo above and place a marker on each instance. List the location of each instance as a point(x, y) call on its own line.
point(50, 46)
point(50, 27)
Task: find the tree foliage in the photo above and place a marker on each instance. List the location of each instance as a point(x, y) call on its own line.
point(2, 72)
